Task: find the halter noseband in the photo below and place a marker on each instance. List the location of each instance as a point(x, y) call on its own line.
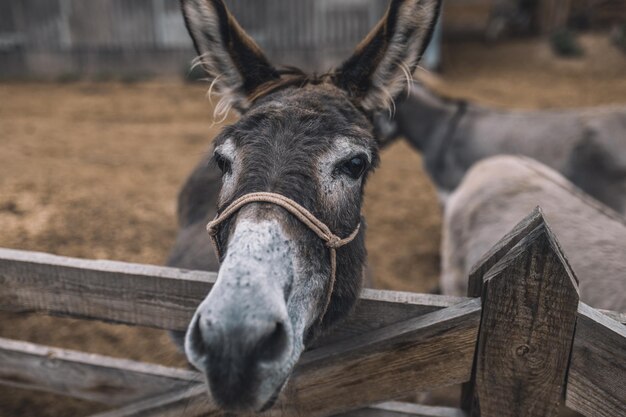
point(331, 240)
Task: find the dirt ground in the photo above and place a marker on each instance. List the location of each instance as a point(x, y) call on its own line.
point(92, 170)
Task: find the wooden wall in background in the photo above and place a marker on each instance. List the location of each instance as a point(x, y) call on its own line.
point(62, 37)
point(599, 13)
point(53, 38)
point(553, 15)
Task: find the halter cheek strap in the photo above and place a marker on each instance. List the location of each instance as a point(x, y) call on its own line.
point(332, 241)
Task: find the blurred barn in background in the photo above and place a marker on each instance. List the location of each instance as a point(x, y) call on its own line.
point(56, 37)
point(72, 38)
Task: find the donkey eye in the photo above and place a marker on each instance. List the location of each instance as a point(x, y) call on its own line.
point(354, 167)
point(222, 163)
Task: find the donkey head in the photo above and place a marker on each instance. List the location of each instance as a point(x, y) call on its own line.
point(307, 138)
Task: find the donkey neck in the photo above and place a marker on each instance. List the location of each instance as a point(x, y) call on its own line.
point(423, 116)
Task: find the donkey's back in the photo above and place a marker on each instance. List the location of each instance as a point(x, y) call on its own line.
point(499, 192)
point(587, 145)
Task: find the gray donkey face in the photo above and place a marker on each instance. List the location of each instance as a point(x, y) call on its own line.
point(308, 138)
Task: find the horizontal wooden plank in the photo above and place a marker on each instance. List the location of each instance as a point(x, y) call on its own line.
point(433, 350)
point(596, 383)
point(617, 316)
point(426, 352)
point(160, 297)
point(104, 290)
point(185, 403)
point(403, 409)
point(161, 406)
point(377, 309)
point(87, 376)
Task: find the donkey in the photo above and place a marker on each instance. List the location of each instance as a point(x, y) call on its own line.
point(500, 191)
point(588, 146)
point(289, 232)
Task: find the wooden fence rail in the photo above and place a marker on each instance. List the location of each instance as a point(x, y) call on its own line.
point(87, 376)
point(159, 297)
point(522, 343)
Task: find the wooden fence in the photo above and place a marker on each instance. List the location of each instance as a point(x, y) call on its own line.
point(522, 343)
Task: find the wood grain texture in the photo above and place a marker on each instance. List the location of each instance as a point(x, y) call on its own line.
point(377, 309)
point(170, 405)
point(402, 409)
point(104, 290)
point(497, 252)
point(433, 350)
point(596, 383)
point(160, 297)
point(488, 260)
point(530, 299)
point(614, 315)
point(86, 376)
point(421, 353)
point(191, 402)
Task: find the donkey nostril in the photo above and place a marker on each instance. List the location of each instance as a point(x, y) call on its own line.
point(208, 335)
point(195, 343)
point(272, 346)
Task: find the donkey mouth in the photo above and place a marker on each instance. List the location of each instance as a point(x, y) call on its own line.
point(245, 402)
point(244, 391)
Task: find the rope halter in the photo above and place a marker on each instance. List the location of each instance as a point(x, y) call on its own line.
point(331, 240)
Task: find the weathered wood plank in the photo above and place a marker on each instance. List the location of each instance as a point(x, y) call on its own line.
point(596, 382)
point(615, 315)
point(497, 252)
point(425, 352)
point(428, 351)
point(191, 402)
point(165, 403)
point(377, 309)
point(104, 290)
point(160, 297)
point(530, 298)
point(486, 262)
point(87, 376)
point(402, 409)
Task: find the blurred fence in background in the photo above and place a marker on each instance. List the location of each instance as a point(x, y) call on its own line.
point(49, 38)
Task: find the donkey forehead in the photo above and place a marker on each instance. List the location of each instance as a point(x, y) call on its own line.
point(301, 118)
point(334, 148)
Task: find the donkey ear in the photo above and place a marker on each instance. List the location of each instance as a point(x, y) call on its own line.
point(384, 61)
point(232, 60)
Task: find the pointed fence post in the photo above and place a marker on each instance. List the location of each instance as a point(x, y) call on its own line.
point(530, 298)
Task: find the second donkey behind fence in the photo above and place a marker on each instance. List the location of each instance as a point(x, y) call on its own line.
point(588, 146)
point(499, 192)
